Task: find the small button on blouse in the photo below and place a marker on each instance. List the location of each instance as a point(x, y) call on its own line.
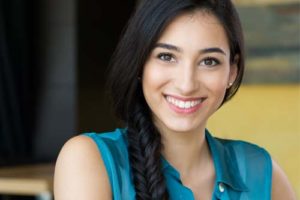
point(221, 187)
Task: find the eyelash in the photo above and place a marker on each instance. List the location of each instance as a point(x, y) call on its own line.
point(171, 57)
point(216, 61)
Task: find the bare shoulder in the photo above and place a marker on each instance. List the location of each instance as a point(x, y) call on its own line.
point(281, 187)
point(80, 172)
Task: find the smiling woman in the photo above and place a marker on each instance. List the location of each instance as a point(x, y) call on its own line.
point(176, 64)
point(183, 71)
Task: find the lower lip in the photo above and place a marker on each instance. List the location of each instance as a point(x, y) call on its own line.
point(185, 110)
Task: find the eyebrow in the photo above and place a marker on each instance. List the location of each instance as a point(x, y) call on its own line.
point(178, 49)
point(212, 50)
point(168, 46)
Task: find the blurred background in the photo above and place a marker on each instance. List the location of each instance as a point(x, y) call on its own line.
point(53, 64)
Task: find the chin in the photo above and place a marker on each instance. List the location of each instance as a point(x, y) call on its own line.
point(185, 127)
point(183, 130)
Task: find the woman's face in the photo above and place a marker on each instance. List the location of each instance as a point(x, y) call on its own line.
point(187, 73)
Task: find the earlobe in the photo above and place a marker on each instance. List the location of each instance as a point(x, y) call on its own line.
point(229, 85)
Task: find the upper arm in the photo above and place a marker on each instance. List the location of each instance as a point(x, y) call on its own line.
point(80, 172)
point(281, 188)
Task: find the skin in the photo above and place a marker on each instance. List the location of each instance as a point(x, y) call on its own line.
point(179, 66)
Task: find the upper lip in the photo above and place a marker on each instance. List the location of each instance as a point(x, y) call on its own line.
point(185, 98)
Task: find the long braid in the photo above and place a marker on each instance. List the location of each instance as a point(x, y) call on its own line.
point(144, 154)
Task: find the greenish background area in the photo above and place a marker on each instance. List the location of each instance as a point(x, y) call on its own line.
point(272, 37)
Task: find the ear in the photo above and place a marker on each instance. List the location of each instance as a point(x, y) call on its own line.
point(233, 70)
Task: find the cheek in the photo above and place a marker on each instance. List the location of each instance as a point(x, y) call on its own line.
point(216, 82)
point(153, 78)
point(153, 81)
point(150, 83)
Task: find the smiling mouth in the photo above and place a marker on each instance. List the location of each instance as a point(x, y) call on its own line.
point(184, 104)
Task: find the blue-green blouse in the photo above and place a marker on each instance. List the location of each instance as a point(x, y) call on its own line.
point(243, 170)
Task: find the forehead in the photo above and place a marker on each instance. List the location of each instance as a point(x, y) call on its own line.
point(199, 29)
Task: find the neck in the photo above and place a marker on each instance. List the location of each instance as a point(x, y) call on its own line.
point(187, 152)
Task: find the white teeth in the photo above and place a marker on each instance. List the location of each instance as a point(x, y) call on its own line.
point(187, 104)
point(183, 104)
point(192, 103)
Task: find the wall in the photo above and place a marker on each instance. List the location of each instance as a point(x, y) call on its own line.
point(56, 65)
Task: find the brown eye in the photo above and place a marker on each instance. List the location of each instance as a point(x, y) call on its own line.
point(209, 62)
point(166, 57)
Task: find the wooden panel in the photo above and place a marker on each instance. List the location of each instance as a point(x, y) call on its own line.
point(27, 180)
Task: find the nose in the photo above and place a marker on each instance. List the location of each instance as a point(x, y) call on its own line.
point(186, 80)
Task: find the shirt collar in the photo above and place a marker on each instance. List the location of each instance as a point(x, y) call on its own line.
point(224, 161)
point(225, 164)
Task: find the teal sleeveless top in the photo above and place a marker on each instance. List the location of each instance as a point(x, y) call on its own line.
point(243, 170)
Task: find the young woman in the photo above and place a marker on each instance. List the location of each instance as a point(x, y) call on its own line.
point(177, 63)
